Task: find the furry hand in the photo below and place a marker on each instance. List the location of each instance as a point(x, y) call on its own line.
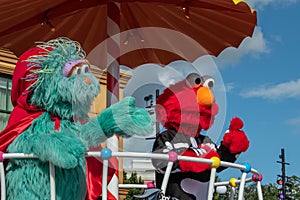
point(62, 149)
point(124, 119)
point(235, 139)
point(204, 151)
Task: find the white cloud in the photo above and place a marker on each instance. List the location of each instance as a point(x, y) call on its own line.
point(229, 87)
point(289, 89)
point(170, 75)
point(260, 4)
point(293, 121)
point(253, 46)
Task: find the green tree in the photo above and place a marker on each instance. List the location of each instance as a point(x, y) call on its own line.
point(293, 191)
point(133, 179)
point(271, 190)
point(250, 193)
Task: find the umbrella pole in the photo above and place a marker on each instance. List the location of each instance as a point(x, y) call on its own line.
point(113, 77)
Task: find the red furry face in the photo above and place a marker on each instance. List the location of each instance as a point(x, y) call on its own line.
point(177, 108)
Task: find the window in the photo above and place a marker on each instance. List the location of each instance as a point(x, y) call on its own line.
point(5, 102)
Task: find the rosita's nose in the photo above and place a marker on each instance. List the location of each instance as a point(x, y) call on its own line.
point(205, 96)
point(87, 80)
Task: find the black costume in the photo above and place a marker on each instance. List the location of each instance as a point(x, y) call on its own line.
point(170, 140)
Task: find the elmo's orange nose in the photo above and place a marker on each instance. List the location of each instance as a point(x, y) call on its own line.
point(87, 81)
point(205, 96)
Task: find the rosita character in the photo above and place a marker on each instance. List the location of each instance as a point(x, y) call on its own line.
point(52, 91)
point(185, 109)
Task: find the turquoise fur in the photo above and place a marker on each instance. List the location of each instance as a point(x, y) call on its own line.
point(66, 98)
point(137, 118)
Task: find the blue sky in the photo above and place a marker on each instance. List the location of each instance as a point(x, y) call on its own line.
point(262, 86)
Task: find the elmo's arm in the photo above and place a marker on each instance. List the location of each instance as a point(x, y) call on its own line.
point(168, 141)
point(234, 142)
point(205, 148)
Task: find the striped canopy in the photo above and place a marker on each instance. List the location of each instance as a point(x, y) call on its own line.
point(152, 31)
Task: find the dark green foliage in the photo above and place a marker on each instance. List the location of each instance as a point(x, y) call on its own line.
point(270, 191)
point(134, 179)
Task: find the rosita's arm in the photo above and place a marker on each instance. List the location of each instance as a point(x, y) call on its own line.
point(122, 118)
point(62, 149)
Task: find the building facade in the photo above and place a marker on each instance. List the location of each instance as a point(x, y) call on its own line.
point(7, 64)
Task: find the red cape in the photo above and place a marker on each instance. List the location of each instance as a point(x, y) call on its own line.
point(20, 119)
point(23, 113)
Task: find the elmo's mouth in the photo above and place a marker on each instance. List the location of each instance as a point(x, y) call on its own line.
point(207, 115)
point(205, 96)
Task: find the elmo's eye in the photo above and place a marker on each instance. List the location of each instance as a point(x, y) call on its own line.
point(209, 82)
point(194, 80)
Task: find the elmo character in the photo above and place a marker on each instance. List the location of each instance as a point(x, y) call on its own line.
point(184, 109)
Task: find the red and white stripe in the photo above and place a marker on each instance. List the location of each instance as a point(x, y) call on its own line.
point(112, 91)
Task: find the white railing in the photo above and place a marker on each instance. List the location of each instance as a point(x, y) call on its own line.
point(106, 154)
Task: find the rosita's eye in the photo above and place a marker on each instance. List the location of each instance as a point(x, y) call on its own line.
point(78, 70)
point(76, 67)
point(194, 80)
point(74, 71)
point(85, 68)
